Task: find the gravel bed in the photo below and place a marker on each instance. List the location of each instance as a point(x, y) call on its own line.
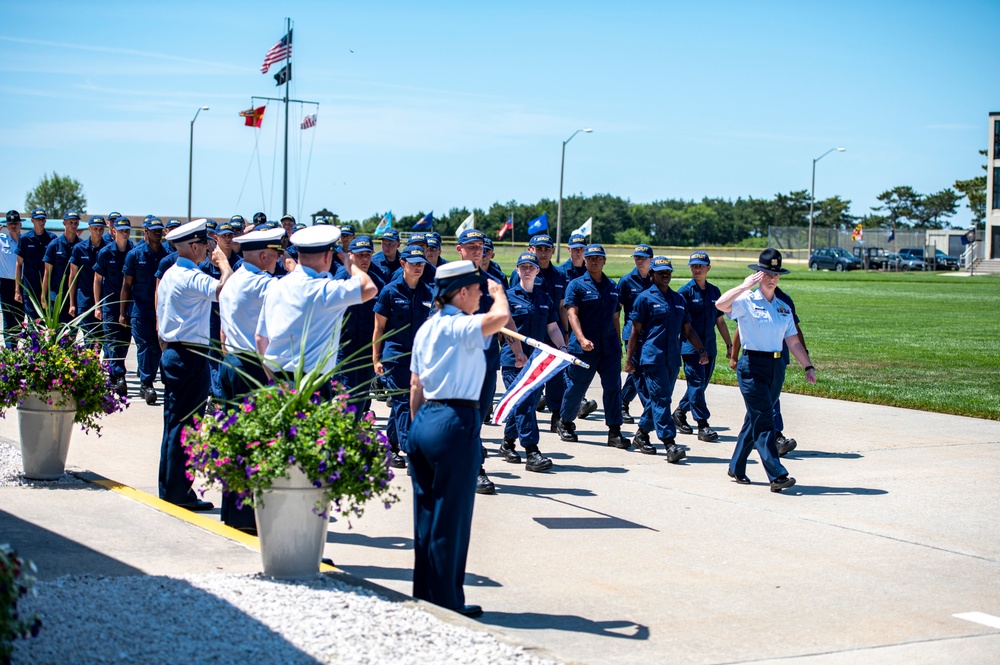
point(241, 618)
point(11, 471)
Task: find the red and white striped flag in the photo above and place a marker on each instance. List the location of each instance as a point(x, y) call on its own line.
point(309, 121)
point(280, 51)
point(542, 367)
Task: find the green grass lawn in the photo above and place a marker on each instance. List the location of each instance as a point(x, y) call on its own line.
point(924, 341)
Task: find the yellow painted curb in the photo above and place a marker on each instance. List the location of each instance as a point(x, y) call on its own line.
point(185, 515)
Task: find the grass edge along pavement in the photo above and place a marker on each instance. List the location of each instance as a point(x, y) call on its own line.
point(922, 341)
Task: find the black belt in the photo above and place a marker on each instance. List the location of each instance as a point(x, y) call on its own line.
point(189, 346)
point(762, 354)
point(464, 403)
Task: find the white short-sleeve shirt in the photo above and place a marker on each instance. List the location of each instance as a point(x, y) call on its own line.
point(763, 325)
point(448, 355)
point(240, 304)
point(184, 303)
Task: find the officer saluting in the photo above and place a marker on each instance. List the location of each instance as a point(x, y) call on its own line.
point(302, 313)
point(239, 310)
point(447, 371)
point(184, 300)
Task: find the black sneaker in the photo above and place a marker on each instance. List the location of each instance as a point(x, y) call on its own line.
point(484, 485)
point(626, 416)
point(121, 387)
point(782, 483)
point(566, 430)
point(554, 422)
point(397, 461)
point(706, 433)
point(742, 480)
point(542, 404)
point(508, 452)
point(784, 445)
point(674, 452)
point(642, 443)
point(680, 419)
point(616, 439)
point(536, 462)
point(587, 408)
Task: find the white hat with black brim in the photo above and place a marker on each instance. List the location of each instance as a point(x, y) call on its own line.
point(315, 239)
point(194, 230)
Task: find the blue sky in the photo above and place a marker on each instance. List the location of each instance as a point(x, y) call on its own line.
point(457, 104)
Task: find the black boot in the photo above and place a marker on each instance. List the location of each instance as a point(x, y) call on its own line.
point(483, 483)
point(706, 433)
point(587, 407)
point(616, 439)
point(642, 443)
point(536, 462)
point(626, 416)
point(680, 419)
point(542, 404)
point(674, 452)
point(508, 452)
point(566, 430)
point(784, 445)
point(554, 422)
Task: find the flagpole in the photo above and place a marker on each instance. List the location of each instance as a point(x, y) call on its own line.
point(562, 355)
point(288, 82)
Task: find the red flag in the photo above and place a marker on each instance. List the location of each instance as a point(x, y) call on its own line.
point(507, 226)
point(253, 116)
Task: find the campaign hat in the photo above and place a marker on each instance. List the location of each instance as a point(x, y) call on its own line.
point(769, 262)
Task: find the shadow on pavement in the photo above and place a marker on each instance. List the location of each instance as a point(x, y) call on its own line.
point(56, 555)
point(807, 490)
point(567, 622)
point(539, 491)
point(806, 454)
point(406, 575)
point(704, 460)
point(361, 540)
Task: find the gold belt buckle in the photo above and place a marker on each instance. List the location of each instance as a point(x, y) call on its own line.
point(777, 354)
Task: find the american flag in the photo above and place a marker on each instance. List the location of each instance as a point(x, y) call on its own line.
point(280, 51)
point(542, 367)
point(309, 121)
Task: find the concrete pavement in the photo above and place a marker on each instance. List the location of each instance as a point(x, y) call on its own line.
point(620, 557)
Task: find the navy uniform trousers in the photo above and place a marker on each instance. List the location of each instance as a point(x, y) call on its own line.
point(656, 387)
point(609, 367)
point(13, 313)
point(444, 454)
point(237, 377)
point(489, 389)
point(116, 338)
point(184, 370)
point(779, 381)
point(523, 423)
point(759, 379)
point(397, 378)
point(147, 347)
point(630, 388)
point(698, 377)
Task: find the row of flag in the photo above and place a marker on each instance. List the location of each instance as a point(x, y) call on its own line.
point(254, 117)
point(426, 223)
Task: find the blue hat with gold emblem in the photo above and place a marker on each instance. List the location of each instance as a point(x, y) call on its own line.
point(391, 234)
point(211, 225)
point(122, 223)
point(346, 230)
point(453, 276)
point(173, 224)
point(195, 230)
point(433, 242)
point(316, 239)
point(661, 263)
point(156, 224)
point(470, 236)
point(417, 238)
point(527, 257)
point(113, 216)
point(71, 214)
point(224, 229)
point(322, 221)
point(148, 218)
point(413, 254)
point(39, 213)
point(97, 220)
point(699, 258)
point(265, 239)
point(361, 244)
point(288, 216)
point(643, 250)
point(541, 240)
point(594, 250)
point(298, 227)
point(237, 222)
point(577, 240)
point(488, 244)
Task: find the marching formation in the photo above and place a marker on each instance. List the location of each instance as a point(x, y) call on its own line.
point(217, 309)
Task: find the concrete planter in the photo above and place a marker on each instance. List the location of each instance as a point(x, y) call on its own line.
point(291, 534)
point(45, 433)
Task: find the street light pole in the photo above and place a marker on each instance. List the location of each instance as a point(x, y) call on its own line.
point(191, 157)
point(812, 200)
point(562, 170)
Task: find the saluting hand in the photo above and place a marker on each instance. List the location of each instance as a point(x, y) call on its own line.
point(752, 280)
point(495, 289)
point(218, 257)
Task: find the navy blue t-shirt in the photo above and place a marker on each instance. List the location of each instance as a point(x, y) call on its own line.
point(31, 249)
point(597, 307)
point(84, 257)
point(532, 313)
point(406, 310)
point(109, 265)
point(662, 317)
point(57, 254)
point(704, 315)
point(141, 265)
point(629, 288)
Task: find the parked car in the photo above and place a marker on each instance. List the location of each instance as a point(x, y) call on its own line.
point(876, 257)
point(833, 258)
point(940, 260)
point(905, 262)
